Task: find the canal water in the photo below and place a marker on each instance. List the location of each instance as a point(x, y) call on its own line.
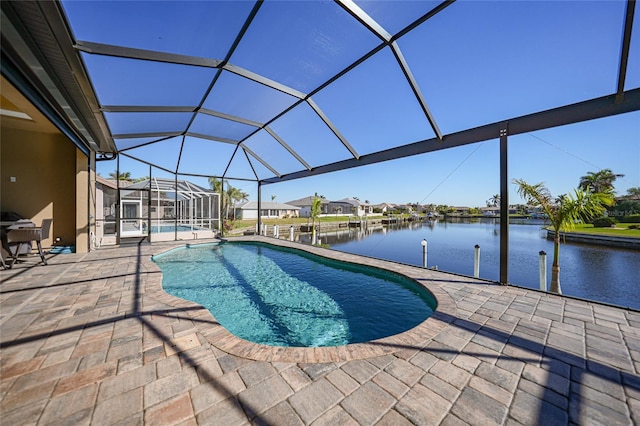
point(591, 272)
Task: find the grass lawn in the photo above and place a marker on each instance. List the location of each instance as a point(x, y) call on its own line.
point(246, 224)
point(621, 230)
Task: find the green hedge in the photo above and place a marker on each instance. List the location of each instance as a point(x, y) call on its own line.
point(634, 218)
point(604, 222)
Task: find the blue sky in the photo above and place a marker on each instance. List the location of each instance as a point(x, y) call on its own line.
point(470, 175)
point(475, 63)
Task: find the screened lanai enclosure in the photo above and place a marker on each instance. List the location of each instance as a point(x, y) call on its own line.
point(161, 209)
point(271, 91)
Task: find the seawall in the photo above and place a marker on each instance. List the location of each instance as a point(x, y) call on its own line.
point(601, 240)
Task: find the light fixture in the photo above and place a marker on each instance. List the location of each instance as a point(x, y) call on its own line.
point(15, 114)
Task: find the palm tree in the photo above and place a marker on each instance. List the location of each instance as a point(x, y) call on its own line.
point(316, 209)
point(233, 195)
point(563, 212)
point(236, 195)
point(215, 184)
point(121, 176)
point(494, 201)
point(600, 181)
point(229, 197)
point(634, 191)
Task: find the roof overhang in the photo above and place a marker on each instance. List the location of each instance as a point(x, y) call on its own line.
point(38, 59)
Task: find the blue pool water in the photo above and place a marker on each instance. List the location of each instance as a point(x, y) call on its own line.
point(286, 297)
point(171, 228)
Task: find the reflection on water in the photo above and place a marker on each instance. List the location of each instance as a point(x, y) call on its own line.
point(591, 272)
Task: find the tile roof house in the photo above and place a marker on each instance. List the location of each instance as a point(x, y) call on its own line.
point(384, 207)
point(350, 206)
point(305, 205)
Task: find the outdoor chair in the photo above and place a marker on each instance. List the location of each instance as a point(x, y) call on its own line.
point(27, 235)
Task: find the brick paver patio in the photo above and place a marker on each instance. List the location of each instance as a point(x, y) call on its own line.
point(93, 339)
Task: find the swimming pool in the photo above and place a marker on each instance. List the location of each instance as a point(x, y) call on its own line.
point(286, 297)
point(172, 228)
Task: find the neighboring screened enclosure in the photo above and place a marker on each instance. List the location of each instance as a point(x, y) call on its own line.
point(166, 209)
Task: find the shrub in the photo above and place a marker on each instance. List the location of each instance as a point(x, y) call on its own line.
point(604, 222)
point(633, 218)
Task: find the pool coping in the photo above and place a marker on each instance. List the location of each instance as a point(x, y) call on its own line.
point(221, 338)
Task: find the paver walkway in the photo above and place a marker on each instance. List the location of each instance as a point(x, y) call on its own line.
point(92, 339)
